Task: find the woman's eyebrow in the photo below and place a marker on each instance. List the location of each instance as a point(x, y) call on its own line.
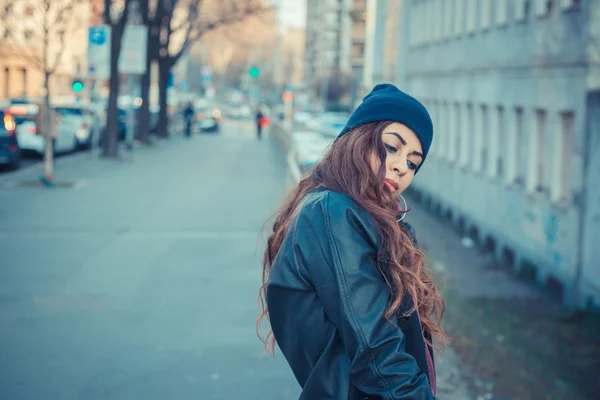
point(401, 139)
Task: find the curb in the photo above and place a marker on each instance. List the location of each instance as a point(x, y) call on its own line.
point(40, 165)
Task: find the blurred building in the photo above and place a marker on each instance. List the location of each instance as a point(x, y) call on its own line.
point(358, 37)
point(328, 25)
point(21, 49)
point(375, 44)
point(292, 53)
point(514, 91)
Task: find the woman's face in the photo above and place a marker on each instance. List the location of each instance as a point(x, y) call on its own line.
point(404, 154)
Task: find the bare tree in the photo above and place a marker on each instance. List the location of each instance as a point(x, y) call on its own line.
point(186, 21)
point(115, 15)
point(38, 30)
point(231, 49)
point(152, 15)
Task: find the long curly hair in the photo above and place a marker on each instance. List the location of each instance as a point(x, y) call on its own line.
point(347, 169)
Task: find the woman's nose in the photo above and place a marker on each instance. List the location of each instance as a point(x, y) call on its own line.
point(400, 167)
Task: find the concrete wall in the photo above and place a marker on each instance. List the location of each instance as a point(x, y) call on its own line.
point(507, 93)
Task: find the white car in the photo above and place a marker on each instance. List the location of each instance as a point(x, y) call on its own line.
point(75, 128)
point(329, 124)
point(24, 116)
point(309, 147)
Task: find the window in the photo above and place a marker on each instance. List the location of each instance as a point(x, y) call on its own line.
point(517, 151)
point(439, 23)
point(543, 8)
point(24, 75)
point(467, 136)
point(443, 124)
point(481, 149)
point(431, 108)
point(459, 12)
point(6, 82)
point(501, 12)
point(485, 13)
point(498, 144)
point(522, 10)
point(448, 24)
point(471, 15)
point(29, 11)
point(449, 112)
point(570, 4)
point(28, 34)
point(562, 157)
point(414, 39)
point(426, 21)
point(541, 174)
point(456, 150)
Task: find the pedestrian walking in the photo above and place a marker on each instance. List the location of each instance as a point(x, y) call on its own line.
point(188, 115)
point(259, 122)
point(349, 300)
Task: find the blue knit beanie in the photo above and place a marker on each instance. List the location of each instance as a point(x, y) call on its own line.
point(388, 103)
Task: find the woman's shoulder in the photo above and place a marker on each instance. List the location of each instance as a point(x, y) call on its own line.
point(328, 202)
point(336, 212)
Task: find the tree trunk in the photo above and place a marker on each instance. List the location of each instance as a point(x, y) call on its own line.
point(111, 139)
point(163, 78)
point(144, 115)
point(47, 130)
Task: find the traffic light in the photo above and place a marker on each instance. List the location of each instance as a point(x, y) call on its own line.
point(77, 85)
point(254, 72)
point(287, 96)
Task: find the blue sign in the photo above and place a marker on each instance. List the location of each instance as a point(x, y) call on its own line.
point(171, 79)
point(97, 35)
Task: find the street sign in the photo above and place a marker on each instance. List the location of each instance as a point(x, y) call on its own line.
point(206, 74)
point(98, 54)
point(133, 50)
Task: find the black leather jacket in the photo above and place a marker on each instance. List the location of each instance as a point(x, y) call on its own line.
point(326, 302)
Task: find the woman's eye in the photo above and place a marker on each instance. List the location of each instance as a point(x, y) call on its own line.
point(411, 165)
point(391, 148)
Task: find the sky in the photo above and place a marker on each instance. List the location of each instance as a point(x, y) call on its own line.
point(293, 13)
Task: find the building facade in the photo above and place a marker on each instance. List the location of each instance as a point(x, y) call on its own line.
point(21, 51)
point(513, 87)
point(328, 43)
point(375, 52)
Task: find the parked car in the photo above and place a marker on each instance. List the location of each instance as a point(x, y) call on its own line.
point(77, 126)
point(329, 124)
point(208, 117)
point(309, 147)
point(26, 130)
point(10, 152)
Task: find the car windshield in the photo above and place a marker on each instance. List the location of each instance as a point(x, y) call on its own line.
point(69, 111)
point(19, 119)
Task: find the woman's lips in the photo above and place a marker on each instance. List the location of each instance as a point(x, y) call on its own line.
point(393, 185)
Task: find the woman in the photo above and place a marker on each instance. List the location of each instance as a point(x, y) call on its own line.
point(350, 303)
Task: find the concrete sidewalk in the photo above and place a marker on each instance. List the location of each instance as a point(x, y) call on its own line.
point(142, 281)
point(509, 340)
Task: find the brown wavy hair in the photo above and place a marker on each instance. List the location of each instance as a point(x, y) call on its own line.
point(346, 168)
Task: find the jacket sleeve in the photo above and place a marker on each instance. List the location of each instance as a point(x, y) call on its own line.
point(341, 260)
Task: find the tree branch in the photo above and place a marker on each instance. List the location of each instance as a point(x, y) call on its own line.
point(63, 20)
point(236, 13)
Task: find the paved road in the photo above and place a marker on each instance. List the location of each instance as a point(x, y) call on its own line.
point(141, 281)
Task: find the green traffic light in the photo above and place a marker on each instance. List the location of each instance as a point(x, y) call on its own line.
point(77, 87)
point(254, 72)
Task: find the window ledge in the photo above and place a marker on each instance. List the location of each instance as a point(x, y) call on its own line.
point(561, 204)
point(539, 195)
point(515, 187)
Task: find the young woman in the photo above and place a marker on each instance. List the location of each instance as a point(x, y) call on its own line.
point(350, 303)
